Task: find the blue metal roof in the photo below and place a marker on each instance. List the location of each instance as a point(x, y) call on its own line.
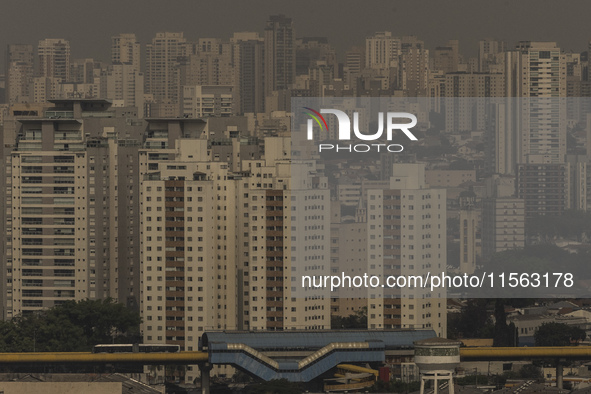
point(309, 340)
point(289, 369)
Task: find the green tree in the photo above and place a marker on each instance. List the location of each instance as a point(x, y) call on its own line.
point(558, 334)
point(530, 371)
point(472, 322)
point(71, 326)
point(571, 224)
point(357, 320)
point(504, 334)
point(461, 164)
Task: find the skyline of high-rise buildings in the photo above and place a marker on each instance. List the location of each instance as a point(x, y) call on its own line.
point(167, 179)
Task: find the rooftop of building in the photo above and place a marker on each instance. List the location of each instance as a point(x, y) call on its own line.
point(436, 341)
point(129, 385)
point(315, 339)
point(177, 119)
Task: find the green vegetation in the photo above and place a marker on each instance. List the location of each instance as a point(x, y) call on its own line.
point(531, 372)
point(572, 224)
point(558, 334)
point(472, 380)
point(504, 334)
point(540, 258)
point(472, 322)
point(357, 320)
point(70, 327)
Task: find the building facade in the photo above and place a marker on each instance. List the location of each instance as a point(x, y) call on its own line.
point(72, 198)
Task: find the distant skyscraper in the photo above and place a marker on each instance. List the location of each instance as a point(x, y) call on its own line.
point(355, 59)
point(249, 50)
point(54, 58)
point(406, 236)
point(125, 49)
point(124, 82)
point(123, 79)
point(503, 225)
point(487, 53)
point(536, 71)
point(544, 188)
point(310, 50)
point(539, 70)
point(413, 68)
point(468, 221)
point(382, 50)
point(84, 70)
point(208, 100)
point(354, 64)
point(470, 113)
point(469, 85)
point(162, 66)
point(447, 58)
point(211, 64)
point(19, 73)
point(280, 48)
point(45, 89)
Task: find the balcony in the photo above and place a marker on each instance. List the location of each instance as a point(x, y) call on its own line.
point(32, 283)
point(59, 114)
point(64, 273)
point(63, 170)
point(32, 272)
point(32, 252)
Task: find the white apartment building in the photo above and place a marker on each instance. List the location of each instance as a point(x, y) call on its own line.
point(406, 236)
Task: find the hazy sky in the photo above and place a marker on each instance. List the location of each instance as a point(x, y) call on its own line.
point(89, 24)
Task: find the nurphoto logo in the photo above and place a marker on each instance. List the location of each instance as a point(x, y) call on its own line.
point(391, 119)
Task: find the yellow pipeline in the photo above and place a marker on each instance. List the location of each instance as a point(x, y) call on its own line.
point(507, 353)
point(358, 369)
point(83, 357)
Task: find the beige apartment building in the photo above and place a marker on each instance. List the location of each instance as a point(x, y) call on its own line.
point(162, 78)
point(406, 236)
point(208, 101)
point(503, 225)
point(54, 58)
point(71, 204)
point(218, 246)
point(290, 242)
point(19, 73)
point(125, 49)
point(348, 254)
